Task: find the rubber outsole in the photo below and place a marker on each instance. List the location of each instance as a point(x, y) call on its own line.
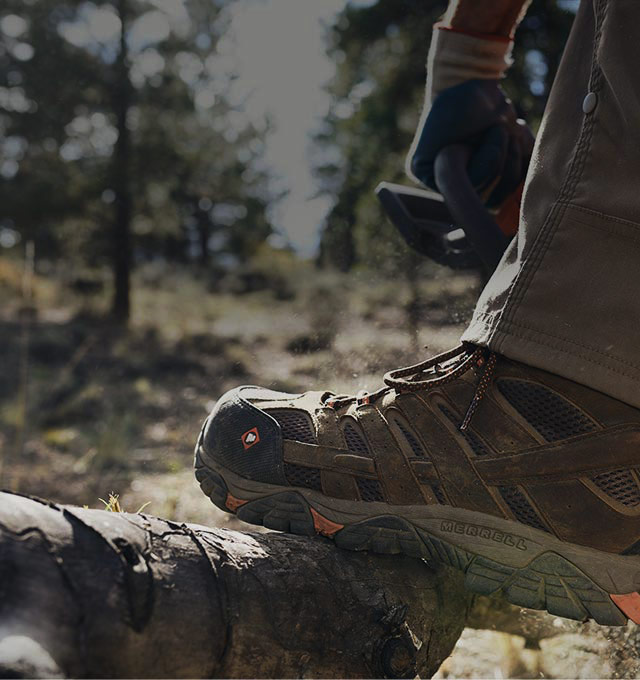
point(548, 582)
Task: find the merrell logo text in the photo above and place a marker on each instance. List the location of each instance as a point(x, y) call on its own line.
point(484, 532)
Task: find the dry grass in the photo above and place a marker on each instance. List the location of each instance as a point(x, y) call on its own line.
point(107, 408)
point(113, 504)
point(112, 410)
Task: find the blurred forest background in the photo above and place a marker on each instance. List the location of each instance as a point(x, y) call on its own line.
point(142, 268)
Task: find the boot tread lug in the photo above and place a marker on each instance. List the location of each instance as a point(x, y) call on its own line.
point(549, 582)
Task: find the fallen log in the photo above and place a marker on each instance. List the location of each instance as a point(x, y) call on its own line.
point(89, 593)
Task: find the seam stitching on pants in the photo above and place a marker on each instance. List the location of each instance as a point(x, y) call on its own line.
point(562, 350)
point(517, 288)
point(594, 86)
point(566, 340)
point(577, 344)
point(630, 238)
point(601, 215)
point(584, 357)
point(547, 231)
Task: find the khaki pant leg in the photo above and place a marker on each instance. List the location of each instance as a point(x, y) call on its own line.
point(566, 296)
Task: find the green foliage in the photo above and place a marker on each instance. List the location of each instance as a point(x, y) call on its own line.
point(199, 189)
point(380, 52)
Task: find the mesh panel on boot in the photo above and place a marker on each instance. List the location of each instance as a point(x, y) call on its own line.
point(298, 475)
point(354, 440)
point(620, 485)
point(522, 510)
point(550, 414)
point(438, 493)
point(295, 425)
point(412, 441)
point(476, 444)
point(370, 490)
point(633, 550)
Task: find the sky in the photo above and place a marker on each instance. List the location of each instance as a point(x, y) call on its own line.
point(280, 52)
point(277, 49)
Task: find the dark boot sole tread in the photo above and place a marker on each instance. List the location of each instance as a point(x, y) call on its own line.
point(548, 582)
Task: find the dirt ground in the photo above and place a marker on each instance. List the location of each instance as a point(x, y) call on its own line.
point(87, 409)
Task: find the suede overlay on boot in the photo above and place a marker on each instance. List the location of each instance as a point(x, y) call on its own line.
point(525, 481)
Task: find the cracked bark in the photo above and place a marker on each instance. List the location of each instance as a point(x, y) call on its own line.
point(86, 593)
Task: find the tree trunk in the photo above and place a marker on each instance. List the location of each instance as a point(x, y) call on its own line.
point(87, 593)
point(121, 306)
point(204, 233)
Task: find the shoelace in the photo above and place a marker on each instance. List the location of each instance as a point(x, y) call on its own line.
point(408, 379)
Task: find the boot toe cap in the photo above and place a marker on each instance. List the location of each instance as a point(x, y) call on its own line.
point(243, 438)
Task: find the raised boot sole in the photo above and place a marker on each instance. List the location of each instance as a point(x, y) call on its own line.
point(529, 567)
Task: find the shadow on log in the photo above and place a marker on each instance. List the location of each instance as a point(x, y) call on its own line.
point(87, 593)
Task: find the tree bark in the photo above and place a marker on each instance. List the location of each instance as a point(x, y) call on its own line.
point(87, 593)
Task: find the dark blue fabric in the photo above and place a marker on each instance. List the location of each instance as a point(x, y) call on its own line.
point(476, 113)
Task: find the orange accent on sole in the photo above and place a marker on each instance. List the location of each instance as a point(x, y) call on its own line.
point(629, 604)
point(233, 503)
point(323, 525)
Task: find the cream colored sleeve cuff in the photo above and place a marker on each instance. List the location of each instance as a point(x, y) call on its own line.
point(456, 57)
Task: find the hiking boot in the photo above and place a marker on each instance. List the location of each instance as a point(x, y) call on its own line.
point(525, 481)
